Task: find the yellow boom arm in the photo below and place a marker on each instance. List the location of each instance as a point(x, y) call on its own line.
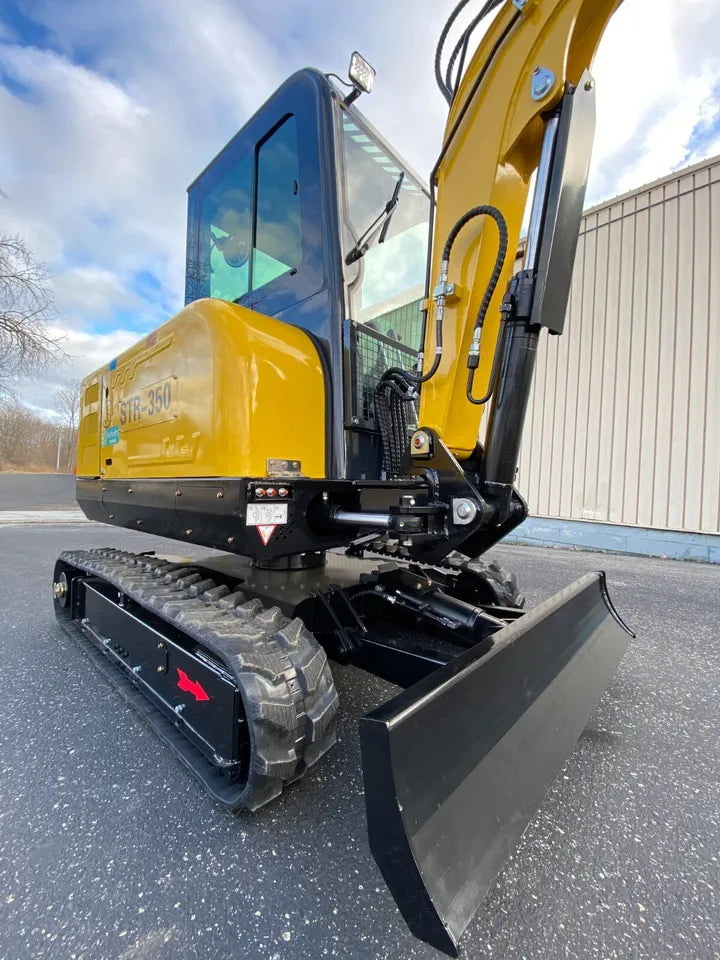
point(493, 143)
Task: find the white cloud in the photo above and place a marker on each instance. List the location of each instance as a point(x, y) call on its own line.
point(87, 352)
point(655, 73)
point(135, 98)
point(92, 290)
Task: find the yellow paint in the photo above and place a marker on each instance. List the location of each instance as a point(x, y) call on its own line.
point(215, 392)
point(88, 452)
point(491, 160)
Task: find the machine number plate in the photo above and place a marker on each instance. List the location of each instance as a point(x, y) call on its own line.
point(152, 404)
point(261, 514)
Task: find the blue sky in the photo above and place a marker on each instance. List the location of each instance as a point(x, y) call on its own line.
point(109, 109)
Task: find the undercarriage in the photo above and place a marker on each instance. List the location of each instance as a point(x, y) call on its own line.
point(228, 663)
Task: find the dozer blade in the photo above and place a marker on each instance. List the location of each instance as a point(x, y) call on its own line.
point(456, 766)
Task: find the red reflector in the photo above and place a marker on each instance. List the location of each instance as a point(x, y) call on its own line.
point(191, 686)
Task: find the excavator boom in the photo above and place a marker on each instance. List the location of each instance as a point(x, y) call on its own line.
point(501, 129)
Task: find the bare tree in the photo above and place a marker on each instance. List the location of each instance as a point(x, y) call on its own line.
point(27, 309)
point(67, 404)
point(26, 438)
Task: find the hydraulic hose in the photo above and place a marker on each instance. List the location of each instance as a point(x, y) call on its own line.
point(395, 389)
point(483, 210)
point(447, 89)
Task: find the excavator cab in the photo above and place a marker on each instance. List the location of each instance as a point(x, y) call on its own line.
point(297, 218)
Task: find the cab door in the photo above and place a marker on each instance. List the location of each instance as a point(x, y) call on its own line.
point(263, 228)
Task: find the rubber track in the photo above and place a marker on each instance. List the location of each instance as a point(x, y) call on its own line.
point(281, 671)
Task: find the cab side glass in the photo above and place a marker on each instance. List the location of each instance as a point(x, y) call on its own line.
point(225, 232)
point(278, 230)
point(257, 215)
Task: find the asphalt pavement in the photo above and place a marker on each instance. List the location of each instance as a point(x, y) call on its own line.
point(37, 491)
point(109, 850)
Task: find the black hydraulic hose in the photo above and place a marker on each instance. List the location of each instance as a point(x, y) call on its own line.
point(461, 48)
point(395, 388)
point(474, 357)
point(478, 80)
point(444, 82)
point(439, 49)
point(404, 376)
point(487, 210)
point(455, 86)
point(479, 401)
point(433, 174)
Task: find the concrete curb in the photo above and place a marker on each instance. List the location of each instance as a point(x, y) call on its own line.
point(616, 538)
point(10, 518)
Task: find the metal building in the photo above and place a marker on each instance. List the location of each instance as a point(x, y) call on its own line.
point(622, 445)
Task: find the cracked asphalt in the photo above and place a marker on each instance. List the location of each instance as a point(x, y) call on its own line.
point(109, 850)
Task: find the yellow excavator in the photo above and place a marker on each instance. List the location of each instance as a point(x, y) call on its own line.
point(338, 409)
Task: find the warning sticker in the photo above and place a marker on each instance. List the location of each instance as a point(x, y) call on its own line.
point(266, 517)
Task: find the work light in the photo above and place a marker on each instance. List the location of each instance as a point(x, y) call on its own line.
point(361, 73)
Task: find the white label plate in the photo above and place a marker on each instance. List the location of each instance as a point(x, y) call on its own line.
point(263, 514)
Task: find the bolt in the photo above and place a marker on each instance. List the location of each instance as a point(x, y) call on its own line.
point(219, 495)
point(589, 84)
point(356, 421)
point(419, 440)
point(161, 645)
point(129, 489)
point(464, 510)
point(231, 539)
point(296, 464)
point(178, 493)
point(161, 669)
point(188, 532)
point(179, 708)
point(59, 590)
point(136, 669)
point(85, 621)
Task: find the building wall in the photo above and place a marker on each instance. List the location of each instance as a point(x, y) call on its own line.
point(624, 420)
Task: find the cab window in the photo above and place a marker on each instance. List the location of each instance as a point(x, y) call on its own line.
point(226, 232)
point(278, 246)
point(231, 264)
point(388, 284)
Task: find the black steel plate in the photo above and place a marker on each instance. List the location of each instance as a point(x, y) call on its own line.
point(456, 766)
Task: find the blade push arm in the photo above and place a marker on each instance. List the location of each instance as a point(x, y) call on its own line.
point(511, 115)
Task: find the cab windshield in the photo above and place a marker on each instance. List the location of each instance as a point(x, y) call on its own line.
point(388, 283)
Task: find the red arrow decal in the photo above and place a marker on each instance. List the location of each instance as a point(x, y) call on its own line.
point(191, 686)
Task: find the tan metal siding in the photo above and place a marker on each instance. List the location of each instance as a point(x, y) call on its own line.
point(624, 417)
